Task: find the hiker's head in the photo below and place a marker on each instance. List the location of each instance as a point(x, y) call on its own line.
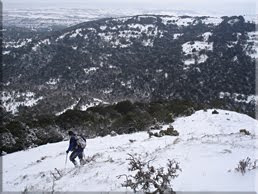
point(70, 133)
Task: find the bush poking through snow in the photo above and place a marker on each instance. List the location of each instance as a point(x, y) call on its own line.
point(91, 158)
point(157, 126)
point(170, 131)
point(244, 131)
point(56, 175)
point(132, 140)
point(113, 133)
point(41, 159)
point(25, 191)
point(245, 165)
point(149, 179)
point(215, 112)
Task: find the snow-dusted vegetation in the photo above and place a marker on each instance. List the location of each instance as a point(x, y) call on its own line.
point(192, 50)
point(252, 48)
point(11, 101)
point(125, 52)
point(208, 149)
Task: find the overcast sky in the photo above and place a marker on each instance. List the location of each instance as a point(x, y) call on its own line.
point(226, 7)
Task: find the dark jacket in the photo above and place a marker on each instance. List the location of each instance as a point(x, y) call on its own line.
point(73, 145)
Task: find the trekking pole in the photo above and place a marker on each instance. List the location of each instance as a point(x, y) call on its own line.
point(83, 155)
point(66, 160)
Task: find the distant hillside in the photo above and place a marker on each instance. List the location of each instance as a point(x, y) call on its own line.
point(140, 58)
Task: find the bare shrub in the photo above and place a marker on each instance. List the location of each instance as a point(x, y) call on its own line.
point(150, 179)
point(25, 191)
point(56, 174)
point(245, 165)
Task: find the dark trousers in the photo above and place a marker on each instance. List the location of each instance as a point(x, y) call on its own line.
point(76, 153)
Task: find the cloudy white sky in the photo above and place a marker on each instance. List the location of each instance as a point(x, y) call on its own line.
point(226, 7)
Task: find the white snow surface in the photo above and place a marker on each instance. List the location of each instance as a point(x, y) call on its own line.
point(45, 42)
point(91, 69)
point(6, 52)
point(180, 21)
point(177, 35)
point(202, 58)
point(95, 102)
point(198, 45)
point(53, 81)
point(76, 33)
point(208, 148)
point(123, 38)
point(233, 21)
point(193, 49)
point(188, 62)
point(212, 20)
point(71, 107)
point(17, 44)
point(206, 36)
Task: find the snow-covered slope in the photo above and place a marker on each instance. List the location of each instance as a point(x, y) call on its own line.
point(208, 148)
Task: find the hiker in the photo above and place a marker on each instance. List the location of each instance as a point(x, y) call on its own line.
point(76, 145)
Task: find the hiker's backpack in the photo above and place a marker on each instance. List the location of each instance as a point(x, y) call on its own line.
point(81, 141)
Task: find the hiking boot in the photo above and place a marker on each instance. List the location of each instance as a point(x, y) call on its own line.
point(82, 162)
point(75, 163)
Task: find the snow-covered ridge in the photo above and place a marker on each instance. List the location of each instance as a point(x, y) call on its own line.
point(76, 33)
point(121, 34)
point(212, 20)
point(123, 37)
point(151, 31)
point(209, 146)
point(186, 21)
point(95, 102)
point(83, 107)
point(41, 42)
point(71, 107)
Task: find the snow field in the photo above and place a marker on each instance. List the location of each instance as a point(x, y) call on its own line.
point(208, 148)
